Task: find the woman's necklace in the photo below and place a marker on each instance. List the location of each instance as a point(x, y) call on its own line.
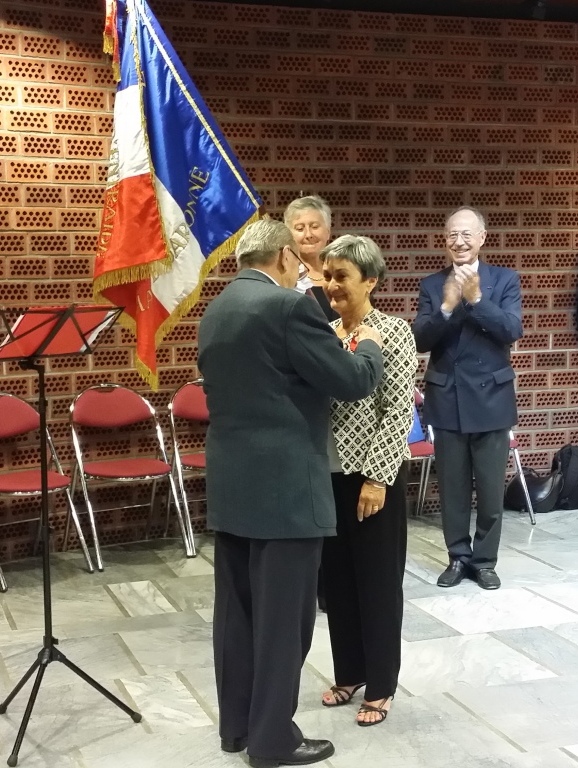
point(353, 326)
point(317, 269)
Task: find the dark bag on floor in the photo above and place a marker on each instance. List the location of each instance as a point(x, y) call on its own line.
point(543, 491)
point(565, 462)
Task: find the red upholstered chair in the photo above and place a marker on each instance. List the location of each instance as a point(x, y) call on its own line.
point(19, 419)
point(520, 472)
point(188, 405)
point(110, 409)
point(422, 451)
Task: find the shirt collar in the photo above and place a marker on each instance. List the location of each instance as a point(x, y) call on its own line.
point(272, 279)
point(475, 266)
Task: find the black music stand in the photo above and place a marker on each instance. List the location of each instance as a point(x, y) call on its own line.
point(35, 334)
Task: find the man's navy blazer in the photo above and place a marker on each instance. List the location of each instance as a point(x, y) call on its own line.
point(469, 379)
point(271, 363)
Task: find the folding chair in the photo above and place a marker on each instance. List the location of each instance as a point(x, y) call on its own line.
point(18, 419)
point(188, 404)
point(422, 450)
point(520, 472)
point(106, 410)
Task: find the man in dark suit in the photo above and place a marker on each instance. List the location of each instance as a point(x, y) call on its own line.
point(468, 316)
point(270, 364)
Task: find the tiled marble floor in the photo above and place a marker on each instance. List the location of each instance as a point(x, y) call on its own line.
point(489, 679)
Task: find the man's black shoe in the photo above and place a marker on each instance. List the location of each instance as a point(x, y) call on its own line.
point(487, 578)
point(453, 574)
point(233, 745)
point(311, 751)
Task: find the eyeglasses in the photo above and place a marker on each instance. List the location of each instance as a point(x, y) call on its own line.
point(303, 268)
point(467, 237)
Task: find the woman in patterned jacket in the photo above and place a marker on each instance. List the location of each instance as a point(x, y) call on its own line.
point(363, 565)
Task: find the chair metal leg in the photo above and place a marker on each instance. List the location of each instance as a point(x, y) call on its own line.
point(180, 485)
point(167, 513)
point(416, 510)
point(177, 474)
point(184, 521)
point(71, 508)
point(151, 508)
point(425, 470)
point(3, 584)
point(66, 532)
point(73, 514)
point(71, 493)
point(91, 519)
point(529, 507)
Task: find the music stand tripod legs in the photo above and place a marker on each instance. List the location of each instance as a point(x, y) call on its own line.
point(49, 652)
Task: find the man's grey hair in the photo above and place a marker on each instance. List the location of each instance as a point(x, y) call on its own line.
point(261, 242)
point(362, 251)
point(308, 203)
point(478, 214)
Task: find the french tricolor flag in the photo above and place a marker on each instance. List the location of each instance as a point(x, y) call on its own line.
point(176, 198)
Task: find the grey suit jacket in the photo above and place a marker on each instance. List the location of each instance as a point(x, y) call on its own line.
point(469, 381)
point(270, 364)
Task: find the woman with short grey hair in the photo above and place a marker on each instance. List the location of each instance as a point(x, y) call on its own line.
point(363, 565)
point(309, 219)
point(308, 202)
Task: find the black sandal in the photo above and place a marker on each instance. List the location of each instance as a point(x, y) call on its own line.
point(341, 695)
point(382, 712)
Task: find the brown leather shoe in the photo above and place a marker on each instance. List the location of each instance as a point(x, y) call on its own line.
point(453, 574)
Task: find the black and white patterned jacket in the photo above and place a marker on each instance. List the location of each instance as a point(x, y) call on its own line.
point(371, 434)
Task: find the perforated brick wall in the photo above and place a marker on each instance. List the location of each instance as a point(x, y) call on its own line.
point(393, 118)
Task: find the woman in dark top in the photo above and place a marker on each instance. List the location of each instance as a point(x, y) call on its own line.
point(309, 219)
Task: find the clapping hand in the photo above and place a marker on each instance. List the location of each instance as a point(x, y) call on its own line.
point(469, 281)
point(452, 294)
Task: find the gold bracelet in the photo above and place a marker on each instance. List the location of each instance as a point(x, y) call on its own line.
point(376, 484)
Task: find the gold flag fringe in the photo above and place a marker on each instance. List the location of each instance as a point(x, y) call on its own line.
point(152, 379)
point(225, 249)
point(108, 44)
point(108, 47)
point(131, 274)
